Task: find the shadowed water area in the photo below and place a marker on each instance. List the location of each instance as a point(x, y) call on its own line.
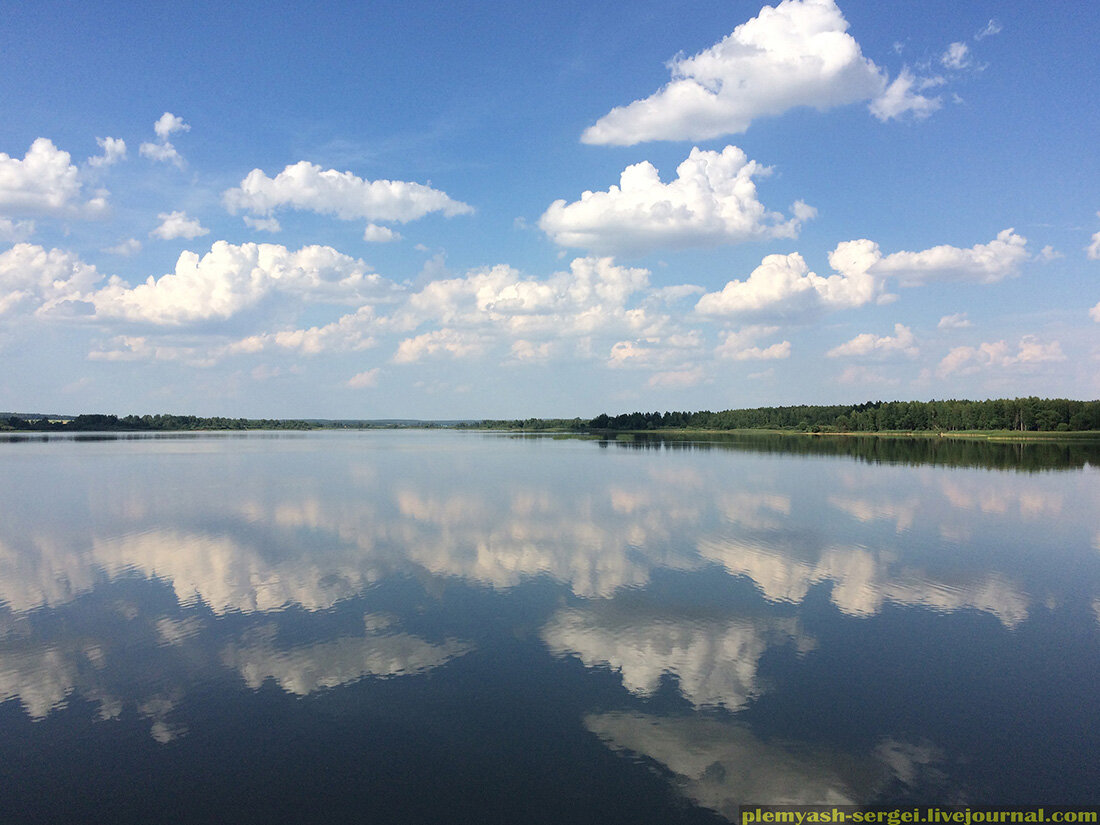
point(454, 626)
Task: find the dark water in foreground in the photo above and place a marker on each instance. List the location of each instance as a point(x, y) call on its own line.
point(456, 627)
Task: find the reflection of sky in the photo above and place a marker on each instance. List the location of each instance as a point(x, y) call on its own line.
point(721, 765)
point(247, 551)
point(864, 580)
point(43, 670)
point(713, 660)
point(307, 668)
point(303, 524)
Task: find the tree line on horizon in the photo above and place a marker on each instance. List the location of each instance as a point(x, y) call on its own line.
point(1020, 414)
point(152, 423)
point(1030, 414)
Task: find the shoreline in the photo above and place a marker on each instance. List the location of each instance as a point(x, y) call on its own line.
point(996, 436)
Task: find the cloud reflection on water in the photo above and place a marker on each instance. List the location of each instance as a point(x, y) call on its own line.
point(304, 669)
point(863, 581)
point(241, 546)
point(720, 764)
point(254, 547)
point(714, 660)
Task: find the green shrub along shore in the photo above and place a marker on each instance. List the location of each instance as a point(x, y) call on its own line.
point(1010, 416)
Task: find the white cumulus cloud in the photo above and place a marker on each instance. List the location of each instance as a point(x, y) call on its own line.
point(656, 351)
point(45, 182)
point(903, 341)
point(739, 345)
point(956, 321)
point(123, 348)
point(590, 297)
point(308, 187)
point(178, 225)
point(126, 248)
point(981, 263)
point(364, 380)
point(712, 201)
point(1094, 313)
point(263, 224)
point(114, 150)
point(380, 234)
point(454, 343)
point(348, 333)
point(795, 54)
point(524, 351)
point(998, 354)
point(230, 278)
point(784, 287)
point(33, 276)
point(163, 150)
point(168, 124)
point(584, 310)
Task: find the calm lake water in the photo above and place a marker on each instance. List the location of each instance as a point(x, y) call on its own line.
point(463, 627)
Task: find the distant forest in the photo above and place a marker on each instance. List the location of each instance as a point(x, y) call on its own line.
point(1047, 415)
point(139, 423)
point(1019, 414)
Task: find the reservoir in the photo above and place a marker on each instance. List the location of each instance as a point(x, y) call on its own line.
point(444, 626)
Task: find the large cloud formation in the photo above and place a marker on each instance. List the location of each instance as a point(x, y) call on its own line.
point(795, 54)
point(784, 287)
point(45, 182)
point(44, 279)
point(712, 201)
point(981, 263)
point(998, 354)
point(307, 186)
point(230, 278)
point(590, 297)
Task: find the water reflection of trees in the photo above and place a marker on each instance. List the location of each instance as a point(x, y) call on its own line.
point(1027, 456)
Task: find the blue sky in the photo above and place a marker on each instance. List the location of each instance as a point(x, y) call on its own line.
point(499, 209)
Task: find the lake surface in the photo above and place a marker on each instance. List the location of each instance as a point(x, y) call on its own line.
point(463, 627)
